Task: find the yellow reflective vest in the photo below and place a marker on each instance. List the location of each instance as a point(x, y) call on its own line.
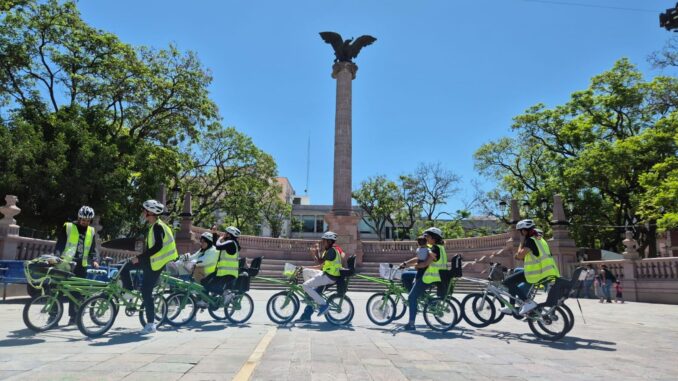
point(228, 263)
point(538, 268)
point(333, 267)
point(72, 238)
point(168, 252)
point(432, 273)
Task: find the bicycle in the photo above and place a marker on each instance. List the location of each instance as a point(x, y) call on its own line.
point(182, 305)
point(44, 311)
point(550, 320)
point(283, 306)
point(381, 307)
point(98, 313)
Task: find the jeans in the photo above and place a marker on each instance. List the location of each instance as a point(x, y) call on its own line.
point(417, 290)
point(408, 279)
point(606, 290)
point(80, 272)
point(147, 285)
point(588, 284)
point(513, 282)
point(217, 285)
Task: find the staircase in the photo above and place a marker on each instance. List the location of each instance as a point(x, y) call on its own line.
point(273, 268)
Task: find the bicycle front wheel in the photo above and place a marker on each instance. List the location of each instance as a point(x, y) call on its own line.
point(181, 309)
point(160, 311)
point(96, 316)
point(380, 308)
point(483, 309)
point(550, 324)
point(282, 307)
point(239, 310)
point(43, 313)
point(469, 314)
point(440, 314)
point(341, 310)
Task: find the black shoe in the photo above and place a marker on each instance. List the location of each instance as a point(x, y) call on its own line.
point(303, 319)
point(409, 327)
point(71, 321)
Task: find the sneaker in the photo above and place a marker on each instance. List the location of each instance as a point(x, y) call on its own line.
point(323, 309)
point(149, 328)
point(527, 307)
point(228, 295)
point(506, 311)
point(409, 327)
point(201, 304)
point(303, 319)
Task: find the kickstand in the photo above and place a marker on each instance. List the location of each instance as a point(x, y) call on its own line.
point(580, 311)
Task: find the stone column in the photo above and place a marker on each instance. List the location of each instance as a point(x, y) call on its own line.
point(9, 230)
point(184, 237)
point(342, 220)
point(563, 248)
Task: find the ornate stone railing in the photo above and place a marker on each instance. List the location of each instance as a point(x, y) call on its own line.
point(116, 254)
point(489, 242)
point(29, 248)
point(657, 268)
point(616, 266)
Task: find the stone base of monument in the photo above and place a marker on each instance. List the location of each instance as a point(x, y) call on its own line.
point(346, 228)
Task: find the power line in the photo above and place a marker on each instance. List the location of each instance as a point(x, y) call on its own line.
point(584, 5)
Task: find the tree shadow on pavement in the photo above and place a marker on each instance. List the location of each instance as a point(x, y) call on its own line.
point(119, 337)
point(323, 326)
point(16, 300)
point(567, 343)
point(424, 331)
point(20, 342)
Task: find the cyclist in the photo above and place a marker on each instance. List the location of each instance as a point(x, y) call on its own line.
point(330, 264)
point(223, 280)
point(539, 264)
point(159, 250)
point(76, 242)
point(428, 271)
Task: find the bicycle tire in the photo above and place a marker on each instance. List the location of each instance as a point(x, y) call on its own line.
point(403, 304)
point(384, 303)
point(213, 311)
point(570, 316)
point(543, 327)
point(457, 305)
point(346, 305)
point(483, 309)
point(273, 311)
point(160, 305)
point(232, 308)
point(469, 316)
point(98, 306)
point(53, 317)
point(433, 309)
point(178, 302)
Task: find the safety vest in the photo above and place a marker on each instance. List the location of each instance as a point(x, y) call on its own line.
point(207, 253)
point(168, 252)
point(227, 263)
point(432, 273)
point(333, 267)
point(538, 268)
point(72, 238)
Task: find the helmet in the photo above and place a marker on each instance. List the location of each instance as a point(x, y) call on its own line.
point(525, 224)
point(232, 230)
point(207, 236)
point(434, 231)
point(154, 207)
point(86, 212)
point(332, 236)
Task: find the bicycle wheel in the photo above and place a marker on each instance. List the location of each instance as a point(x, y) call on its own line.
point(440, 314)
point(457, 305)
point(43, 313)
point(401, 307)
point(341, 310)
point(468, 313)
point(218, 312)
point(570, 316)
point(282, 307)
point(239, 310)
point(96, 316)
point(380, 308)
point(160, 311)
point(181, 309)
point(548, 323)
point(483, 309)
point(498, 316)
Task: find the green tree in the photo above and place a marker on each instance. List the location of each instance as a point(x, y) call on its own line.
point(412, 198)
point(379, 198)
point(275, 211)
point(437, 184)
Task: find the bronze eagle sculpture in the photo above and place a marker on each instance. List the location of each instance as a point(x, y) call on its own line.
point(346, 51)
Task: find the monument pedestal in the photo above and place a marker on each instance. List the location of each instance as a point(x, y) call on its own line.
point(346, 227)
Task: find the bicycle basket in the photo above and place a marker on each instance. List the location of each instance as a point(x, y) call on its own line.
point(289, 270)
point(342, 286)
point(243, 282)
point(445, 277)
point(385, 271)
point(41, 269)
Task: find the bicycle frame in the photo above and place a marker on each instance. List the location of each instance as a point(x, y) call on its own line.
point(294, 288)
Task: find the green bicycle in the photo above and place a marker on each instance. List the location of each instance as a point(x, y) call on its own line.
point(441, 311)
point(283, 306)
point(44, 311)
point(182, 303)
point(98, 313)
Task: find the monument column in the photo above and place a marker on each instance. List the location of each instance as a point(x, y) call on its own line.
point(342, 220)
point(563, 248)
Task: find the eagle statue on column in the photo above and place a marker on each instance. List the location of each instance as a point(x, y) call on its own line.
point(346, 50)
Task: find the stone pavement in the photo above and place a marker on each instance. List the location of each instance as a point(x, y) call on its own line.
point(632, 341)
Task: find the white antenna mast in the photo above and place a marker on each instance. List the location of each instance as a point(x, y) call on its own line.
point(308, 162)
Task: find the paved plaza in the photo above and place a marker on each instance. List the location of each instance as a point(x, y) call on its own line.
point(633, 341)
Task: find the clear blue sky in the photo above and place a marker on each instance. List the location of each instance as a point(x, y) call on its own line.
point(443, 78)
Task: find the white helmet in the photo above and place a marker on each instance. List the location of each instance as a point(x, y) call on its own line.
point(525, 224)
point(154, 207)
point(207, 236)
point(86, 212)
point(332, 236)
point(434, 231)
point(232, 230)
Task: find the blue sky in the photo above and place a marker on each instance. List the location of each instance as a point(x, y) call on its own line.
point(444, 77)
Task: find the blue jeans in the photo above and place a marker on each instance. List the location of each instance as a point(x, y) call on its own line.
point(588, 284)
point(606, 290)
point(418, 290)
point(408, 279)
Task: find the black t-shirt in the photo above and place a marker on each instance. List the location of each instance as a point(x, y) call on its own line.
point(436, 253)
point(329, 255)
point(530, 244)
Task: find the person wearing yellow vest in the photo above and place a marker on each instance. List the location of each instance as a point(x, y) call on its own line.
point(159, 249)
point(539, 264)
point(76, 242)
point(428, 271)
point(330, 264)
point(223, 279)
